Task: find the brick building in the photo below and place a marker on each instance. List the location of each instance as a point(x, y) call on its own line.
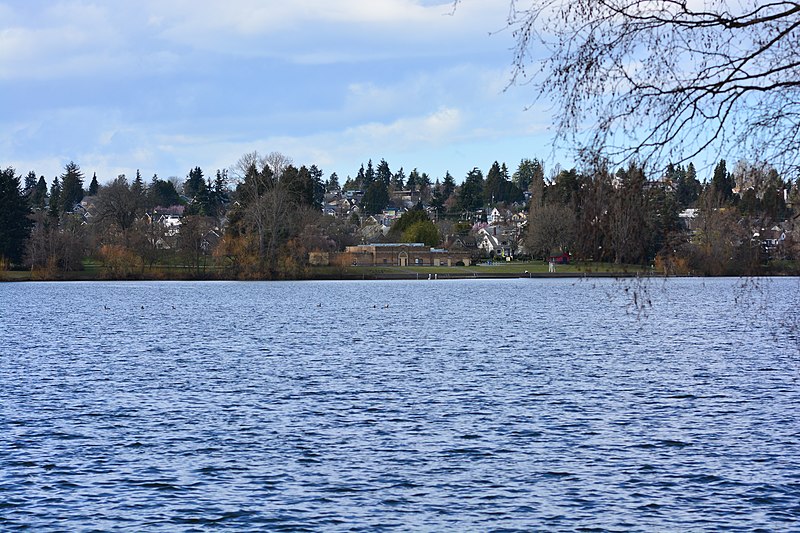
point(399, 254)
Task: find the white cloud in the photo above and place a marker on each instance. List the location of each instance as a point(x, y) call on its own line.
point(75, 37)
point(153, 89)
point(321, 31)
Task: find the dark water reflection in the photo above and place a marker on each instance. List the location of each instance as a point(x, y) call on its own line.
point(463, 405)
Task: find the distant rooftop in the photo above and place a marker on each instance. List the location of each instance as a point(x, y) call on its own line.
point(386, 244)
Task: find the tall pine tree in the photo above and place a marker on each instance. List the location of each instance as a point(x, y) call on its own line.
point(94, 185)
point(71, 187)
point(15, 224)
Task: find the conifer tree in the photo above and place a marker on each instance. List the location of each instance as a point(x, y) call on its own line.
point(383, 172)
point(369, 174)
point(39, 198)
point(399, 180)
point(71, 187)
point(54, 209)
point(94, 185)
point(30, 183)
point(448, 186)
point(15, 224)
point(722, 183)
point(332, 184)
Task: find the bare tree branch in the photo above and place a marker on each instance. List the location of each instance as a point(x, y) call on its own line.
point(665, 80)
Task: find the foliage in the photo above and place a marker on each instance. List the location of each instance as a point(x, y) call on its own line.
point(470, 197)
point(376, 198)
point(268, 226)
point(687, 186)
point(54, 206)
point(54, 247)
point(39, 196)
point(498, 187)
point(528, 172)
point(119, 261)
point(408, 219)
point(423, 231)
point(722, 183)
point(71, 187)
point(94, 186)
point(118, 204)
point(162, 193)
point(15, 226)
point(194, 183)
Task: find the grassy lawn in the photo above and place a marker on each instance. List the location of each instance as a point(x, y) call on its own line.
point(95, 270)
point(482, 269)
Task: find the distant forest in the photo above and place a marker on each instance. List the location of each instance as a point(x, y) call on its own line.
point(262, 217)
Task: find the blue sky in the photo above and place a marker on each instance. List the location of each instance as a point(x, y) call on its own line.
point(166, 85)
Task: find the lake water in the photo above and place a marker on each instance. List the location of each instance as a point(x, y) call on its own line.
point(472, 405)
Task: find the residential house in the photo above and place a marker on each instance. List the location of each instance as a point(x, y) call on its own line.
point(497, 240)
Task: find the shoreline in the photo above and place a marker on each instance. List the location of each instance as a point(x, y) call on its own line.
point(383, 276)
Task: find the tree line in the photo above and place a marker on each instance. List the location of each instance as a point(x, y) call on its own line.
point(262, 217)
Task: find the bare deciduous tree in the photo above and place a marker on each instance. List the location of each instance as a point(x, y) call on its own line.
point(660, 80)
point(551, 229)
point(266, 202)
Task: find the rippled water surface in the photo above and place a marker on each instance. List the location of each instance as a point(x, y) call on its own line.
point(420, 405)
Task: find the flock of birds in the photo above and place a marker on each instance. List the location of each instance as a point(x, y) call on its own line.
point(107, 308)
point(374, 306)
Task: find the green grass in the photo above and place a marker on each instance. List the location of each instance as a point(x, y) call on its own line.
point(94, 270)
point(482, 269)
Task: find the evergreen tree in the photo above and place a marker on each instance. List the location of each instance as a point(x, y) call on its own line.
point(408, 219)
point(317, 186)
point(360, 179)
point(376, 198)
point(71, 187)
point(54, 209)
point(303, 186)
point(399, 180)
point(749, 204)
point(39, 198)
point(350, 184)
point(498, 188)
point(137, 187)
point(194, 182)
point(772, 203)
point(448, 186)
point(221, 189)
point(413, 181)
point(471, 194)
point(15, 222)
point(528, 171)
point(94, 185)
point(424, 185)
point(565, 190)
point(722, 183)
point(369, 174)
point(685, 192)
point(695, 187)
point(332, 185)
point(30, 183)
point(383, 172)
